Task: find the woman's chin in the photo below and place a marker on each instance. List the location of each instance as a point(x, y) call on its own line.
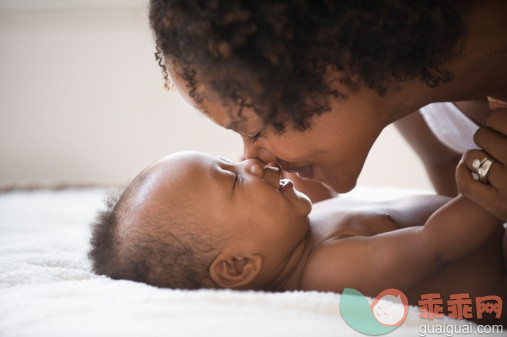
point(338, 183)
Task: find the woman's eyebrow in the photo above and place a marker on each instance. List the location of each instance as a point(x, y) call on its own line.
point(233, 125)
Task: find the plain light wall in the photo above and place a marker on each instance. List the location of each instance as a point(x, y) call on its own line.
point(82, 101)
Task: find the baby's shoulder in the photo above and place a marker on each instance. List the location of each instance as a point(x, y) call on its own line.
point(368, 222)
point(340, 255)
point(362, 221)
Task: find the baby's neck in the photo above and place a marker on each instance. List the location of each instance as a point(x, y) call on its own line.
point(290, 276)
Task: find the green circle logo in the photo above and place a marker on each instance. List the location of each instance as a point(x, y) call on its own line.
point(384, 314)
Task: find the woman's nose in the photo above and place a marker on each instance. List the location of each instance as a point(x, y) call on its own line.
point(254, 150)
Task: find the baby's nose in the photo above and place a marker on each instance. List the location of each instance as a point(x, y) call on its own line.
point(257, 168)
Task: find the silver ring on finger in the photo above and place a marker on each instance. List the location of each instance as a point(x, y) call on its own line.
point(483, 170)
point(477, 163)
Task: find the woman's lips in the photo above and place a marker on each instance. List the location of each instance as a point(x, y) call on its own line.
point(304, 172)
point(285, 184)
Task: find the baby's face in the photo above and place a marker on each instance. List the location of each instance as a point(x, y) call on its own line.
point(245, 203)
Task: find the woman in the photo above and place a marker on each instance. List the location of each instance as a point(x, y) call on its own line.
point(311, 84)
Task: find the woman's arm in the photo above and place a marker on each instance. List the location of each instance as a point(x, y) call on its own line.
point(440, 162)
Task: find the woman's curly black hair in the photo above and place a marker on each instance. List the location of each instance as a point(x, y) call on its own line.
point(273, 56)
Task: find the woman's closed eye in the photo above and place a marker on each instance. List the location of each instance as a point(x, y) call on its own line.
point(253, 139)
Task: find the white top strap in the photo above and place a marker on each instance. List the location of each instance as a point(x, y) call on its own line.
point(451, 126)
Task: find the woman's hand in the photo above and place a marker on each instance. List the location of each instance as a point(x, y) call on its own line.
point(491, 194)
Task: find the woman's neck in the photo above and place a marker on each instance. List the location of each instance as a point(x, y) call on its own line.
point(479, 70)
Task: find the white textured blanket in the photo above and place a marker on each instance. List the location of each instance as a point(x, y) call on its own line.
point(47, 288)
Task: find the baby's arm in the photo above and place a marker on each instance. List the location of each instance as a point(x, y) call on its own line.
point(458, 228)
point(402, 258)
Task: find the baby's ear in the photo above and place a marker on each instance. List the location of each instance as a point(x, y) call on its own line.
point(233, 272)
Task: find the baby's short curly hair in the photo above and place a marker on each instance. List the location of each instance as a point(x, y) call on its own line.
point(160, 249)
point(273, 56)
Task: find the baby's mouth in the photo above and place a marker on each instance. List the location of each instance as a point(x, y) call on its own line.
point(285, 184)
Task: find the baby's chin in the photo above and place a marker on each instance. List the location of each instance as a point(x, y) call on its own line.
point(306, 204)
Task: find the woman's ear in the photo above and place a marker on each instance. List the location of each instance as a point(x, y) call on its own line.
point(235, 272)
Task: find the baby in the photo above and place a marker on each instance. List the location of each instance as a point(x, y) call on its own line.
point(192, 221)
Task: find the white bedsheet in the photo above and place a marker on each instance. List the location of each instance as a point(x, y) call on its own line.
point(47, 288)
